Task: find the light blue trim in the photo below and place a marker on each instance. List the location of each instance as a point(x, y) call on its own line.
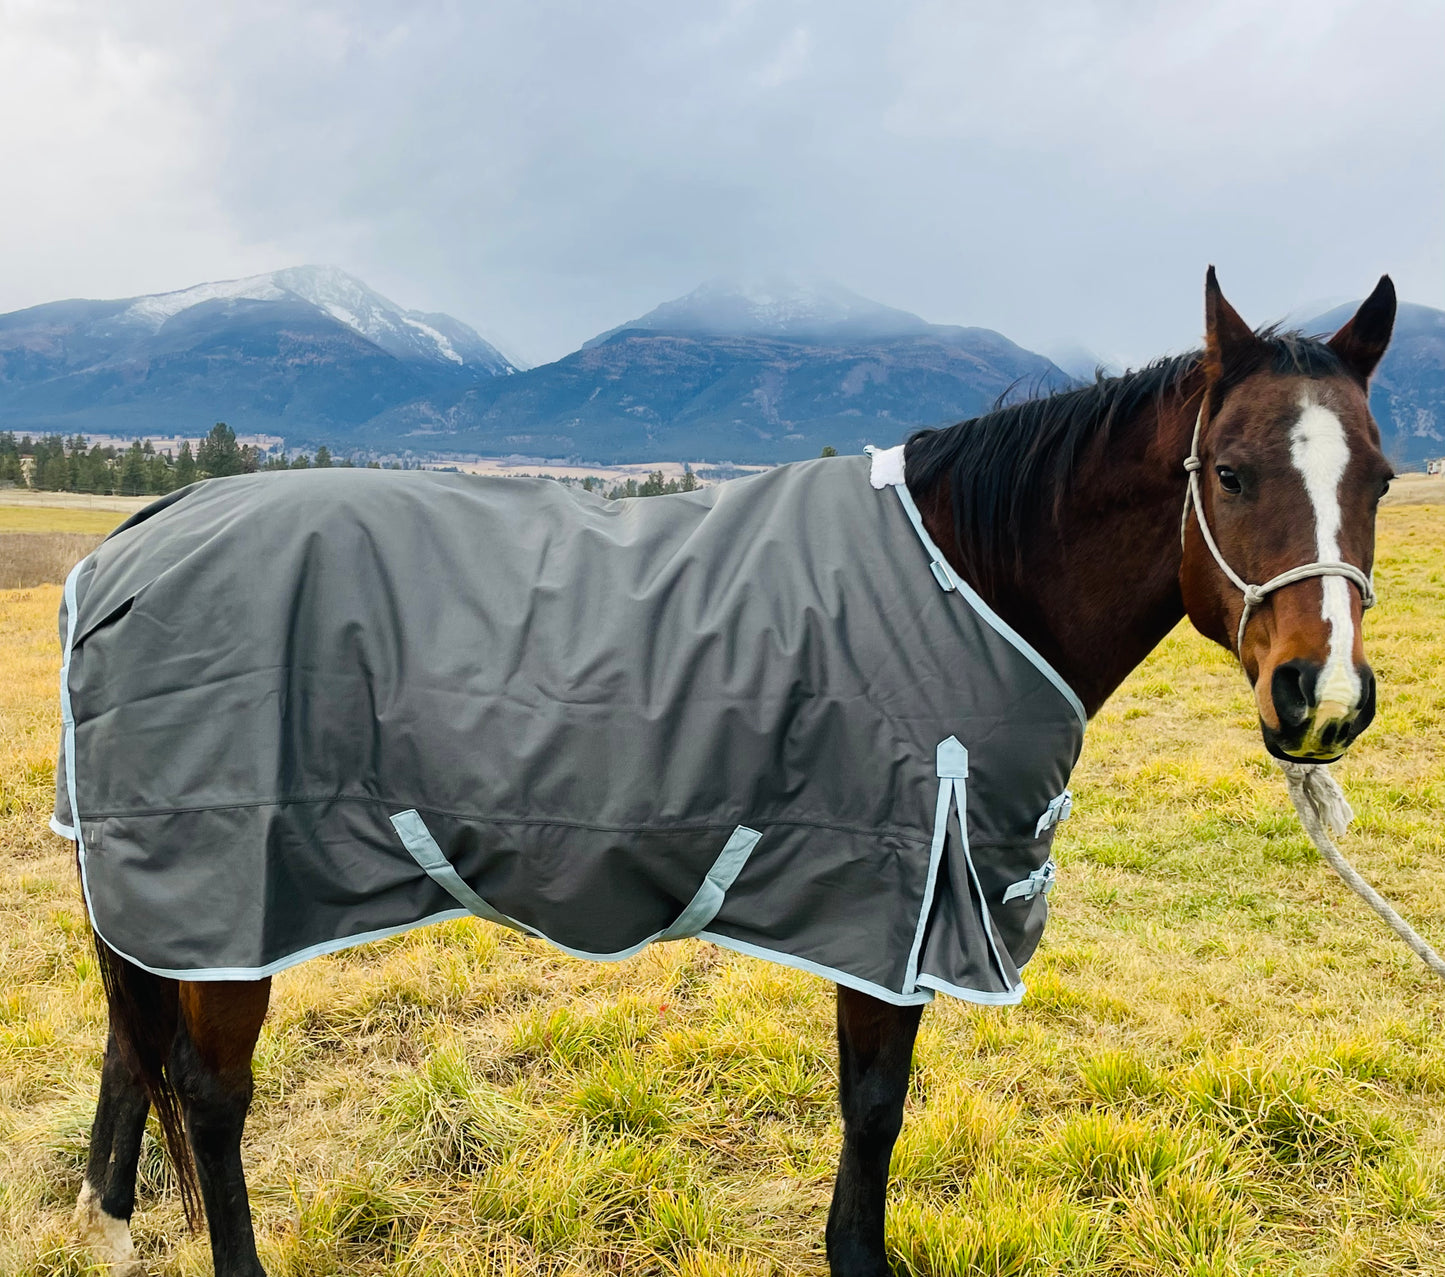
point(952, 767)
point(951, 764)
point(919, 997)
point(943, 570)
point(292, 959)
point(983, 906)
point(700, 910)
point(1012, 998)
point(65, 831)
point(67, 721)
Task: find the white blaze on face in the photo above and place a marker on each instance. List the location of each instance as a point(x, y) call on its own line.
point(1319, 450)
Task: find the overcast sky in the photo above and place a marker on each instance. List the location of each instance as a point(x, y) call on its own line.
point(1058, 171)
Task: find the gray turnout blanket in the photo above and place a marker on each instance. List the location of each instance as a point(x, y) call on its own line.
point(304, 710)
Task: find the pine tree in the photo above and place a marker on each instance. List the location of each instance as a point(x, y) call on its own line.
point(10, 471)
point(185, 465)
point(323, 458)
point(133, 472)
point(54, 475)
point(94, 472)
point(160, 474)
point(219, 454)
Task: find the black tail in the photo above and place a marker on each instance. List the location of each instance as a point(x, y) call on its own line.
point(143, 1016)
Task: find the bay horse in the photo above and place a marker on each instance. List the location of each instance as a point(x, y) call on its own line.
point(1064, 514)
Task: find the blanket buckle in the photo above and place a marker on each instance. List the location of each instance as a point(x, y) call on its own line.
point(1061, 808)
point(1038, 882)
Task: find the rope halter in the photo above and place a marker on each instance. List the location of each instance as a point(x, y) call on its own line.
point(1254, 595)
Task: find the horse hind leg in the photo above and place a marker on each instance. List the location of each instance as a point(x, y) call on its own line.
point(210, 1067)
point(107, 1195)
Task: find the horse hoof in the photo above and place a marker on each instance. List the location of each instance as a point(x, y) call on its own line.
point(106, 1237)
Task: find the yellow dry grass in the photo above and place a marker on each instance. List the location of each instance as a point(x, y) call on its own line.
point(45, 518)
point(41, 558)
point(1225, 1064)
point(40, 543)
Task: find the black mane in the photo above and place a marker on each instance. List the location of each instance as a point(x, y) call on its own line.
point(1009, 469)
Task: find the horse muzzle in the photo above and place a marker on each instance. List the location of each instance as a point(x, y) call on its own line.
point(1315, 724)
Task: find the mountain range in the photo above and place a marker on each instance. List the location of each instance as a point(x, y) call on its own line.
point(745, 371)
point(769, 372)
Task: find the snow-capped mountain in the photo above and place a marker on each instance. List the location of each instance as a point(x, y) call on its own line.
point(786, 306)
point(310, 353)
point(407, 334)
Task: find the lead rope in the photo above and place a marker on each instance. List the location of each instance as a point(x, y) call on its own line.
point(1322, 807)
point(1317, 797)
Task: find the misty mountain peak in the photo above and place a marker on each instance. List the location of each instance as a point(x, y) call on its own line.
point(783, 306)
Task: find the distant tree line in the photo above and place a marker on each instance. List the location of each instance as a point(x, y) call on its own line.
point(74, 465)
point(652, 486)
point(61, 464)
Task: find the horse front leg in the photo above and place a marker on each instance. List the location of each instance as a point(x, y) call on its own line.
point(875, 1054)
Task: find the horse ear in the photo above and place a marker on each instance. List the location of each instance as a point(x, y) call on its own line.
point(1226, 335)
point(1361, 343)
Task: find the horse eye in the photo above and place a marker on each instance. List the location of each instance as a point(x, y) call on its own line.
point(1228, 480)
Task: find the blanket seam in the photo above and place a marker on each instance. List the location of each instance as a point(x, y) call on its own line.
point(520, 820)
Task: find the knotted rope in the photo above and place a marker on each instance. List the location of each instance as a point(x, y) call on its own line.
point(1317, 796)
point(1322, 808)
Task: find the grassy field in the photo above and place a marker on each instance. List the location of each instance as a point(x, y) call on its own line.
point(38, 520)
point(39, 543)
point(1225, 1064)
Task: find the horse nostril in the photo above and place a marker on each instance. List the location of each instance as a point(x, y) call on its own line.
point(1292, 690)
point(1365, 714)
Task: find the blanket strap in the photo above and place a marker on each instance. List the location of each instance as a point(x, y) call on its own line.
point(417, 839)
point(704, 906)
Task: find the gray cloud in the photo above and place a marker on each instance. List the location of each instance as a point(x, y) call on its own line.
point(545, 170)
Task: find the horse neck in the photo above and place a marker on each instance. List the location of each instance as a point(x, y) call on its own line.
point(1096, 590)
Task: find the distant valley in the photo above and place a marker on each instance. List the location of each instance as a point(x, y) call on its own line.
point(748, 373)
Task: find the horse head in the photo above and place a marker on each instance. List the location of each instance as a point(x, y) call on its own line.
point(1285, 476)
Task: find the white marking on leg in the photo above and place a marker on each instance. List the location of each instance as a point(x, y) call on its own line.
point(1320, 452)
point(107, 1238)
